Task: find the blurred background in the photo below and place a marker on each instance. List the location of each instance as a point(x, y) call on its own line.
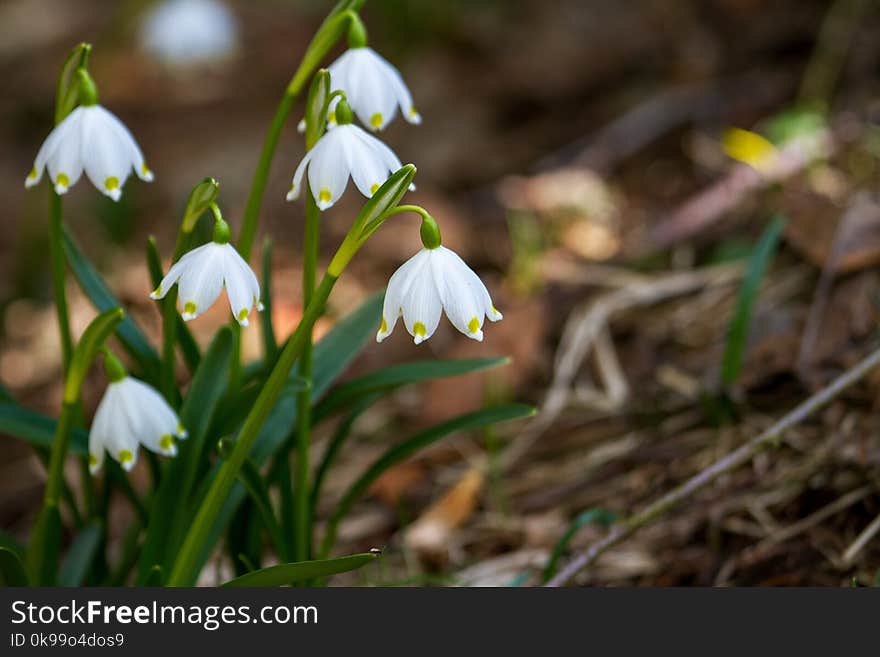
point(574, 154)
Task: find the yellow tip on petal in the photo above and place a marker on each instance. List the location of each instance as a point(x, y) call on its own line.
point(748, 147)
point(93, 460)
point(242, 315)
point(412, 112)
point(331, 117)
point(374, 188)
point(189, 308)
point(111, 183)
point(324, 196)
point(376, 120)
point(419, 329)
point(33, 174)
point(384, 327)
point(474, 325)
point(62, 180)
point(126, 458)
point(166, 442)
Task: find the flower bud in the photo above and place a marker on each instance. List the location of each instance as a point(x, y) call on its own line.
point(200, 199)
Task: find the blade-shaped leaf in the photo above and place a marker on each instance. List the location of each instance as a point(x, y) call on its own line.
point(12, 572)
point(399, 375)
point(132, 338)
point(169, 508)
point(270, 345)
point(284, 574)
point(256, 488)
point(601, 516)
point(738, 332)
point(410, 446)
point(79, 557)
point(37, 429)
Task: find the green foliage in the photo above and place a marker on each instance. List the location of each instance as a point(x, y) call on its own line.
point(738, 332)
point(80, 556)
point(12, 572)
point(602, 517)
point(286, 573)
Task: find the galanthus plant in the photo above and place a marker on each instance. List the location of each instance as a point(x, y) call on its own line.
point(228, 444)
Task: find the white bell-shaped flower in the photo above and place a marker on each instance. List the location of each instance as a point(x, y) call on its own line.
point(373, 88)
point(93, 140)
point(189, 32)
point(203, 272)
point(433, 281)
point(347, 151)
point(131, 413)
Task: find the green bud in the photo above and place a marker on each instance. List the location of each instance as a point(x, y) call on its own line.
point(316, 107)
point(357, 32)
point(343, 112)
point(66, 90)
point(430, 232)
point(221, 229)
point(200, 199)
point(86, 90)
point(113, 367)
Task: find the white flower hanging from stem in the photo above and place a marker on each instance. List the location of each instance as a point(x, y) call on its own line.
point(201, 273)
point(347, 151)
point(373, 87)
point(93, 140)
point(131, 414)
point(433, 281)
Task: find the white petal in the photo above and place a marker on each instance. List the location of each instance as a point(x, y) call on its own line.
point(200, 284)
point(242, 287)
point(465, 298)
point(296, 184)
point(100, 432)
point(65, 163)
point(176, 271)
point(51, 144)
point(105, 157)
point(121, 442)
point(154, 422)
point(124, 136)
point(398, 284)
point(368, 170)
point(421, 303)
point(373, 96)
point(328, 171)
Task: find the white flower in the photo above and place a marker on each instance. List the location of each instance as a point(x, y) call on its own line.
point(373, 88)
point(201, 273)
point(345, 151)
point(187, 32)
point(93, 139)
point(131, 413)
point(432, 281)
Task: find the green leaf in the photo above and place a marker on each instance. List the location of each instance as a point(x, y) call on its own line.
point(132, 338)
point(12, 572)
point(75, 565)
point(601, 516)
point(399, 375)
point(37, 429)
point(738, 331)
point(170, 505)
point(332, 355)
point(410, 446)
point(284, 574)
point(256, 488)
point(44, 547)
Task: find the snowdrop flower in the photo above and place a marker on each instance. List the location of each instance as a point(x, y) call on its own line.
point(187, 32)
point(91, 139)
point(201, 273)
point(130, 414)
point(435, 280)
point(345, 151)
point(373, 88)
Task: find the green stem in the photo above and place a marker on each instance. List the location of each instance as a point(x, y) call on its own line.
point(59, 273)
point(184, 571)
point(302, 516)
point(334, 27)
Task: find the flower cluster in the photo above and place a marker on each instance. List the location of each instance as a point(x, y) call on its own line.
point(362, 84)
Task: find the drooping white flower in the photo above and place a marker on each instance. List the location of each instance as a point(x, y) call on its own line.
point(432, 281)
point(131, 413)
point(91, 139)
point(200, 275)
point(347, 151)
point(190, 32)
point(373, 88)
